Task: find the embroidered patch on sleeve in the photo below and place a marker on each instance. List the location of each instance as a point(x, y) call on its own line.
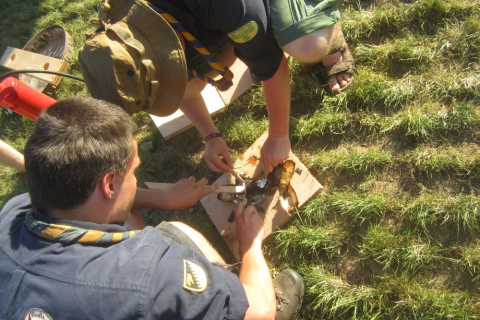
point(37, 314)
point(245, 33)
point(194, 277)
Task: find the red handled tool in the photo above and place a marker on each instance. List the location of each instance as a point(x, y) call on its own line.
point(22, 99)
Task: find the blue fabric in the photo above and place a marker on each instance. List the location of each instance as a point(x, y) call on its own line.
point(139, 278)
point(210, 21)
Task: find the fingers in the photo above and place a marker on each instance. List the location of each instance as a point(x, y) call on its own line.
point(240, 206)
point(228, 160)
point(215, 186)
point(268, 168)
point(218, 166)
point(202, 182)
point(185, 181)
point(250, 210)
point(213, 167)
point(268, 164)
point(217, 163)
point(210, 189)
point(217, 156)
point(220, 163)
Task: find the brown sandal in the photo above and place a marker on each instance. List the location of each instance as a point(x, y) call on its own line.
point(346, 65)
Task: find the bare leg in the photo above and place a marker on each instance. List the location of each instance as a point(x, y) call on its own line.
point(11, 157)
point(316, 46)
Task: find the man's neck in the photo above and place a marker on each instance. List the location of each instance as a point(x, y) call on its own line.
point(91, 211)
point(76, 214)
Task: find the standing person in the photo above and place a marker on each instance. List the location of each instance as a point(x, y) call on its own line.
point(74, 247)
point(229, 29)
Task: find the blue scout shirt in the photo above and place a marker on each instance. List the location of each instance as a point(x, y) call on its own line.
point(247, 24)
point(143, 277)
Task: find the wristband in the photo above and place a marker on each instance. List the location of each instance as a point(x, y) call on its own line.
point(213, 135)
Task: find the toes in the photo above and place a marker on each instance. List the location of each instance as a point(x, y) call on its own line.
point(336, 82)
point(339, 81)
point(333, 83)
point(346, 77)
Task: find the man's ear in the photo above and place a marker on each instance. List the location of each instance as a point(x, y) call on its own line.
point(107, 185)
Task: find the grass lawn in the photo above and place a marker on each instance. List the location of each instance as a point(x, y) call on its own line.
point(396, 232)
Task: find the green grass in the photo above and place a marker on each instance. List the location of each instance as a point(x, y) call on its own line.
point(395, 232)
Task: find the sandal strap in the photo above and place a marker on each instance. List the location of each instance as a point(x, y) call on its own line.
point(347, 64)
point(344, 66)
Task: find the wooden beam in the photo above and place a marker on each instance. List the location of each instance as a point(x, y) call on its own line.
point(16, 59)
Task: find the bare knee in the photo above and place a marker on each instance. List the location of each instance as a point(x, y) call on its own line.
point(310, 48)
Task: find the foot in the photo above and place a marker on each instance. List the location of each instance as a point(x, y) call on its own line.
point(340, 80)
point(289, 288)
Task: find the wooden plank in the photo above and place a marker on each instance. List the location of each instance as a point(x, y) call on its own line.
point(227, 189)
point(215, 101)
point(177, 123)
point(304, 184)
point(16, 59)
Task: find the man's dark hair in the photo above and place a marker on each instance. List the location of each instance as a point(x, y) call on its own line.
point(74, 144)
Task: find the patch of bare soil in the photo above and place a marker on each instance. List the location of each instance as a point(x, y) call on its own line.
point(356, 272)
point(447, 274)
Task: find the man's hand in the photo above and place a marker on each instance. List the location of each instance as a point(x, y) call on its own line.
point(217, 155)
point(274, 151)
point(183, 194)
point(186, 192)
point(254, 275)
point(249, 227)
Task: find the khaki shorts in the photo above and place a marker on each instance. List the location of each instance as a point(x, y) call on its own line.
point(191, 238)
point(292, 19)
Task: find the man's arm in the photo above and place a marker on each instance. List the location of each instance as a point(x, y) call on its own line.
point(183, 194)
point(193, 106)
point(216, 153)
point(11, 157)
point(254, 275)
point(277, 96)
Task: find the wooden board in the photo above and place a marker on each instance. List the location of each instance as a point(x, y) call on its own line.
point(16, 59)
point(304, 184)
point(215, 101)
point(177, 123)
